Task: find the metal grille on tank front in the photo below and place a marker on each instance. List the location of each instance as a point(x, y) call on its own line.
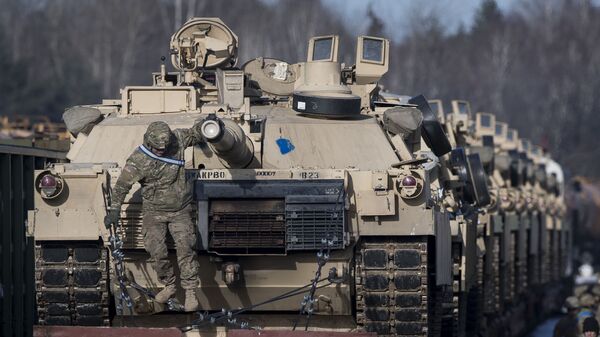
point(247, 229)
point(271, 216)
point(306, 228)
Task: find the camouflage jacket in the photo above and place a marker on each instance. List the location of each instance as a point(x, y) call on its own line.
point(165, 186)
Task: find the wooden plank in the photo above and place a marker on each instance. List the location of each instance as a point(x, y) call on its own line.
point(79, 331)
point(288, 333)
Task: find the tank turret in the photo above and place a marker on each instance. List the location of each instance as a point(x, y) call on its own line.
point(228, 141)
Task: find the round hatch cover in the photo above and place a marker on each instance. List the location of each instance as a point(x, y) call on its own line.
point(328, 106)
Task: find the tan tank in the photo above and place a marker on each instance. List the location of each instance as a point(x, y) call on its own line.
point(513, 241)
point(315, 193)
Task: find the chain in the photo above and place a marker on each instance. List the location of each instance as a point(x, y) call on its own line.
point(215, 318)
point(230, 316)
point(308, 302)
point(116, 249)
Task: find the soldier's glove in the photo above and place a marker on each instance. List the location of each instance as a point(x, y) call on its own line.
point(112, 217)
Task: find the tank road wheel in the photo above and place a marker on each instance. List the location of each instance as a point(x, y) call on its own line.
point(72, 283)
point(394, 295)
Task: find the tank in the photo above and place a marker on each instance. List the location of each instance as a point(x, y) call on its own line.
point(513, 236)
point(320, 201)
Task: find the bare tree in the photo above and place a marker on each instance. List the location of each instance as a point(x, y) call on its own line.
point(536, 66)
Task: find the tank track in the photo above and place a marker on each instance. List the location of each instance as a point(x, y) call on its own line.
point(510, 270)
point(475, 304)
point(520, 266)
point(72, 284)
point(394, 292)
point(547, 260)
point(556, 256)
point(455, 313)
point(533, 271)
point(491, 286)
point(492, 292)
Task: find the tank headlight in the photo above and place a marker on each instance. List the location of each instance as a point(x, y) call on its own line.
point(49, 185)
point(409, 181)
point(410, 186)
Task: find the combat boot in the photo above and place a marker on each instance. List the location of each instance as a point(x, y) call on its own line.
point(164, 295)
point(191, 301)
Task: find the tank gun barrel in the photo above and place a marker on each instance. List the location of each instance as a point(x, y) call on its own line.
point(228, 141)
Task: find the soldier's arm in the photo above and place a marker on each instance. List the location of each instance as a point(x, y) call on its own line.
point(130, 175)
point(191, 136)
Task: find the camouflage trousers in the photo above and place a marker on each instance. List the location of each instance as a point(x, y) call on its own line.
point(181, 227)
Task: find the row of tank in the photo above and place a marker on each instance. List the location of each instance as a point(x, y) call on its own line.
point(426, 223)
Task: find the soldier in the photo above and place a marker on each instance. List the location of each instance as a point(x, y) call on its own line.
point(580, 290)
point(587, 303)
point(166, 194)
point(567, 326)
point(596, 293)
point(590, 327)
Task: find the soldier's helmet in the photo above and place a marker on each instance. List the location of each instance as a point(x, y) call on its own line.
point(572, 303)
point(580, 290)
point(587, 300)
point(158, 135)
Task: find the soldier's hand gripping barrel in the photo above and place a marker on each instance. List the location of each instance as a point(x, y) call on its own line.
point(228, 141)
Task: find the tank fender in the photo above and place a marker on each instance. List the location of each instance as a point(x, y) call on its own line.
point(77, 212)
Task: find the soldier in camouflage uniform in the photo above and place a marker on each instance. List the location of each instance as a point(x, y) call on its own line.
point(588, 308)
point(158, 166)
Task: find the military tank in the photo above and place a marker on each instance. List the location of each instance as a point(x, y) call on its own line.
point(315, 193)
point(513, 228)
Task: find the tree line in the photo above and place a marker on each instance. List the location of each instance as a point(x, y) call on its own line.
point(536, 66)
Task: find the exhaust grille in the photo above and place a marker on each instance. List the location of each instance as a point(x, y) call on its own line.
point(311, 219)
point(247, 226)
point(266, 216)
point(308, 224)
